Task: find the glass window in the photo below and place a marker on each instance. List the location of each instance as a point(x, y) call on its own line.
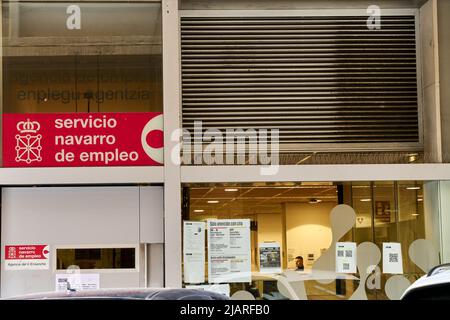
point(82, 57)
point(411, 224)
point(296, 215)
point(362, 204)
point(96, 258)
point(384, 206)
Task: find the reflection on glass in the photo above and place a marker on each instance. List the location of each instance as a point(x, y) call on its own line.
point(386, 211)
point(96, 258)
point(111, 63)
point(411, 219)
point(362, 204)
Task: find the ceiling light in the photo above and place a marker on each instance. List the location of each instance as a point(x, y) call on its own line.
point(415, 214)
point(199, 210)
point(231, 190)
point(412, 157)
point(365, 200)
point(413, 188)
point(213, 201)
point(313, 201)
point(419, 199)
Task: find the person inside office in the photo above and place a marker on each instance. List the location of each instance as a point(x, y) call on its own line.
point(299, 263)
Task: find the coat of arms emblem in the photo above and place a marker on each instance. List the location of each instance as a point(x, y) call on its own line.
point(28, 147)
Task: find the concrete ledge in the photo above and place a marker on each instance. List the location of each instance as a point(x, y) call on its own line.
point(85, 175)
point(368, 172)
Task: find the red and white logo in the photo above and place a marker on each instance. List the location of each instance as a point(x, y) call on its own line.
point(27, 257)
point(28, 142)
point(83, 139)
point(151, 139)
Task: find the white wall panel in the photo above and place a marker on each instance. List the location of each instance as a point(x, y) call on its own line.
point(151, 214)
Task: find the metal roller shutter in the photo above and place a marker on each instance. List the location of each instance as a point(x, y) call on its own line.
point(320, 80)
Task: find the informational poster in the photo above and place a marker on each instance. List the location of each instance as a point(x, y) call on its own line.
point(82, 139)
point(229, 254)
point(27, 257)
point(345, 257)
point(218, 288)
point(77, 281)
point(269, 257)
point(194, 251)
point(382, 211)
point(392, 258)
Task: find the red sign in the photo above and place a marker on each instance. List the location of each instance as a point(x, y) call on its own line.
point(82, 139)
point(26, 252)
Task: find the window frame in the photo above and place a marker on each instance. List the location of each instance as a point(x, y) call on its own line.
point(136, 247)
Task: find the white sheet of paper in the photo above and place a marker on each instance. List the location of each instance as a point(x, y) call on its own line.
point(78, 281)
point(345, 257)
point(229, 253)
point(392, 258)
point(194, 251)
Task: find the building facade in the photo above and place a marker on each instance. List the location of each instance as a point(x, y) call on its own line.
point(317, 122)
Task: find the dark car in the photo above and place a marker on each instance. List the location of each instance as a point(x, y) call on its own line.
point(126, 294)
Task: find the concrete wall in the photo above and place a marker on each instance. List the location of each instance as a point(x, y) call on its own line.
point(435, 47)
point(72, 217)
point(430, 82)
point(443, 12)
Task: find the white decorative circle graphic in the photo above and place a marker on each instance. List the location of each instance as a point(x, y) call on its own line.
point(46, 251)
point(156, 154)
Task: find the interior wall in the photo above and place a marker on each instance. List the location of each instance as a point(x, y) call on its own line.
point(270, 229)
point(308, 230)
point(445, 221)
point(432, 213)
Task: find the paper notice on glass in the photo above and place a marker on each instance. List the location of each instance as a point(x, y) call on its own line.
point(392, 258)
point(194, 251)
point(345, 257)
point(269, 257)
point(229, 255)
point(218, 288)
point(77, 281)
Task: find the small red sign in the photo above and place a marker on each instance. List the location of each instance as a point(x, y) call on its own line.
point(26, 252)
point(82, 139)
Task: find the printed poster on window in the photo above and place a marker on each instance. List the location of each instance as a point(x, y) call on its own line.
point(345, 257)
point(77, 281)
point(269, 257)
point(229, 254)
point(194, 251)
point(392, 258)
point(382, 211)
